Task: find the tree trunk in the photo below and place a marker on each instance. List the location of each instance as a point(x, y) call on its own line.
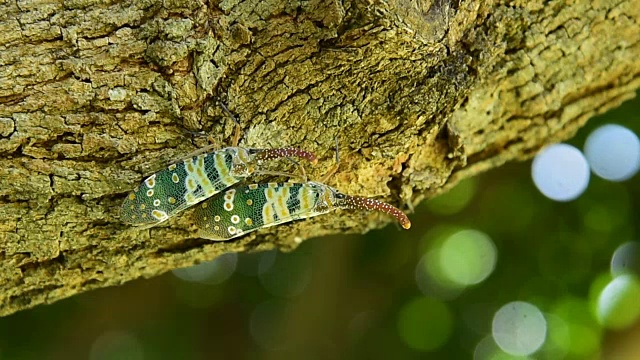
point(96, 95)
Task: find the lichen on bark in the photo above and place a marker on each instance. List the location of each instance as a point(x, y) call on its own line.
point(96, 95)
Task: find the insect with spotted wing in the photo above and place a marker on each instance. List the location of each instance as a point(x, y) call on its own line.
point(181, 185)
point(243, 209)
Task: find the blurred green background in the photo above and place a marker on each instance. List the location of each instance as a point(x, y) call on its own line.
point(491, 266)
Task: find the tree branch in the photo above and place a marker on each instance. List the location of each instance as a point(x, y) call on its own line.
point(420, 94)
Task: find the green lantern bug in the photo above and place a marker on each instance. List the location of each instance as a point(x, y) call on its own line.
point(243, 209)
point(181, 185)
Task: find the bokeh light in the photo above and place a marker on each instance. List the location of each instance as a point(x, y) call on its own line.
point(560, 172)
point(580, 334)
point(431, 281)
point(211, 272)
point(425, 323)
point(116, 345)
point(619, 302)
point(558, 339)
point(607, 211)
point(487, 349)
point(252, 264)
point(468, 257)
point(613, 152)
point(454, 258)
point(454, 200)
point(519, 328)
point(626, 259)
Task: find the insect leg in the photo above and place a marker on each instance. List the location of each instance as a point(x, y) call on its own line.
point(236, 135)
point(210, 138)
point(332, 170)
point(278, 173)
point(197, 152)
point(299, 165)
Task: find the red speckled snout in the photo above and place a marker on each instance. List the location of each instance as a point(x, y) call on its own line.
point(363, 203)
point(270, 154)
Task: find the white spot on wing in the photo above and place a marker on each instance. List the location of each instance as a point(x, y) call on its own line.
point(151, 181)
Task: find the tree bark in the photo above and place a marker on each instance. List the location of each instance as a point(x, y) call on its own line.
point(96, 95)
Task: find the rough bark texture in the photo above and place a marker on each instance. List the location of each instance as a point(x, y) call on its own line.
point(94, 95)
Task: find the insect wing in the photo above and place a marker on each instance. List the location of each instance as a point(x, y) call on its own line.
point(181, 185)
point(247, 208)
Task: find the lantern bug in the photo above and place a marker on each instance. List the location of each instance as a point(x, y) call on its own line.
point(201, 175)
point(243, 209)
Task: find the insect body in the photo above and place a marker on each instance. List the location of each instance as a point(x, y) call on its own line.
point(169, 191)
point(243, 209)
